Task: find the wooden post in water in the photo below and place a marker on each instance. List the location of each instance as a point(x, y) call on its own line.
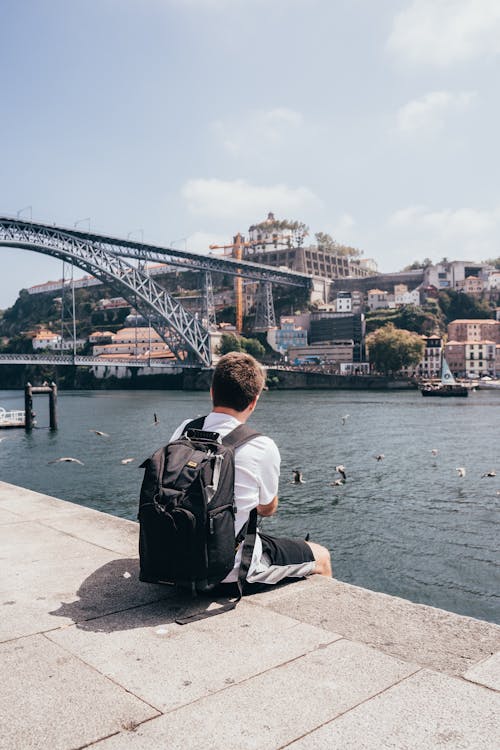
point(29, 390)
point(53, 406)
point(28, 407)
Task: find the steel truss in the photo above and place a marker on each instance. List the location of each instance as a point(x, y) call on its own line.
point(265, 317)
point(181, 331)
point(181, 258)
point(209, 302)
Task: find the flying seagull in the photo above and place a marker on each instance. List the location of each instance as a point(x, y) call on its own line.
point(337, 483)
point(66, 459)
point(379, 457)
point(345, 418)
point(461, 471)
point(297, 477)
point(341, 470)
point(491, 473)
point(100, 433)
point(127, 460)
point(434, 451)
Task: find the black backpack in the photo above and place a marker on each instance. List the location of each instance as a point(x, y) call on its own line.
point(187, 510)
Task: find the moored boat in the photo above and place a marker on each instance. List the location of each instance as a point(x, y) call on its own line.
point(13, 418)
point(448, 385)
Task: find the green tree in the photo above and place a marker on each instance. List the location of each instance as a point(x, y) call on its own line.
point(229, 343)
point(253, 347)
point(458, 305)
point(390, 349)
point(493, 262)
point(298, 228)
point(408, 318)
point(327, 243)
point(418, 264)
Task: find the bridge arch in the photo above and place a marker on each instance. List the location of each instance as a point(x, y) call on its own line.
point(181, 331)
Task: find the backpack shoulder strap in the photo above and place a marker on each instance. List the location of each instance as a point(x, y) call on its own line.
point(240, 435)
point(195, 424)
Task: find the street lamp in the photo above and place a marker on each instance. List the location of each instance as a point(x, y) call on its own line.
point(26, 208)
point(80, 221)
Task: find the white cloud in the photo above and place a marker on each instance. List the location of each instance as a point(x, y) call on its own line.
point(427, 115)
point(238, 200)
point(259, 132)
point(444, 32)
point(454, 233)
point(447, 222)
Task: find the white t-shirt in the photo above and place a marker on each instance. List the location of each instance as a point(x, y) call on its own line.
point(257, 471)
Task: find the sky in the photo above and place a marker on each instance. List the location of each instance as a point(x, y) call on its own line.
point(183, 122)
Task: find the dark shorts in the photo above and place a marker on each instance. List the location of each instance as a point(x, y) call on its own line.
point(284, 551)
point(282, 558)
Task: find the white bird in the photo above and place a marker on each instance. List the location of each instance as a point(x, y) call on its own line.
point(434, 451)
point(340, 469)
point(345, 418)
point(127, 460)
point(379, 457)
point(297, 477)
point(100, 433)
point(491, 473)
point(66, 459)
point(461, 471)
point(337, 483)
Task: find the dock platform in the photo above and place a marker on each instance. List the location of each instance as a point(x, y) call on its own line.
point(92, 658)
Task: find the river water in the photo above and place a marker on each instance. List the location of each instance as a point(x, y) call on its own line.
point(407, 525)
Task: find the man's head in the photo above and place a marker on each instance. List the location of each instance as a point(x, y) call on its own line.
point(238, 380)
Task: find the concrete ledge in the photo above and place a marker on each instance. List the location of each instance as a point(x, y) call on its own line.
point(93, 658)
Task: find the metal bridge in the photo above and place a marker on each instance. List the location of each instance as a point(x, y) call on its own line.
point(103, 257)
point(70, 359)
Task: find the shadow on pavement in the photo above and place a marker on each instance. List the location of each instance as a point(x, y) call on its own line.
point(112, 598)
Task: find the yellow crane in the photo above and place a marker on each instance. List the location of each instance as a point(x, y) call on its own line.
point(236, 248)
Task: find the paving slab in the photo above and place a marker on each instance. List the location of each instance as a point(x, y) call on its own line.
point(29, 545)
point(52, 700)
point(116, 534)
point(273, 708)
point(6, 516)
point(53, 593)
point(28, 503)
point(432, 637)
point(486, 673)
point(170, 665)
point(425, 712)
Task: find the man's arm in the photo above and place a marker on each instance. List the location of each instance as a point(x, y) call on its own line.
point(269, 509)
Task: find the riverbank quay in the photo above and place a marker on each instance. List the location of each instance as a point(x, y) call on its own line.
point(91, 657)
point(309, 378)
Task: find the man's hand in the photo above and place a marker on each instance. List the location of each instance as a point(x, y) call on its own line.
point(269, 509)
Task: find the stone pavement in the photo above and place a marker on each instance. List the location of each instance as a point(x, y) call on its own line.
point(91, 657)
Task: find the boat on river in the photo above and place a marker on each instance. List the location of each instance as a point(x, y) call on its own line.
point(12, 418)
point(447, 387)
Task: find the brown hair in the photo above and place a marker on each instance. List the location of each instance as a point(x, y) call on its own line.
point(238, 379)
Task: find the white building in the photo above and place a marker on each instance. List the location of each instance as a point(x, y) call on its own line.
point(404, 297)
point(378, 299)
point(49, 340)
point(452, 274)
